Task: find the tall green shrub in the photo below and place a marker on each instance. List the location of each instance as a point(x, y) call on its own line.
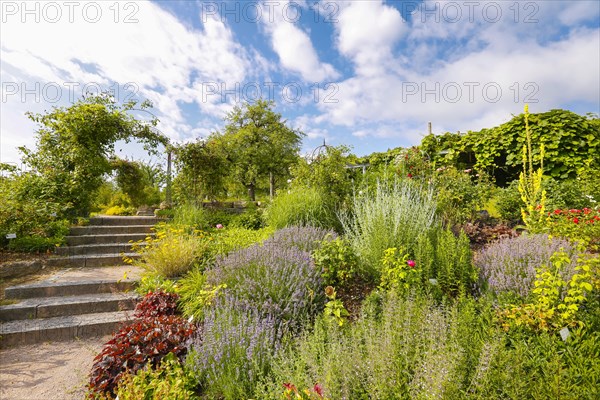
point(302, 206)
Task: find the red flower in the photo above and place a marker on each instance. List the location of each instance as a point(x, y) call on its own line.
point(573, 211)
point(411, 263)
point(538, 207)
point(409, 175)
point(586, 210)
point(318, 389)
point(556, 212)
point(289, 386)
point(576, 220)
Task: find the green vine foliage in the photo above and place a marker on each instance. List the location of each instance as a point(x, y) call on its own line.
point(571, 141)
point(74, 147)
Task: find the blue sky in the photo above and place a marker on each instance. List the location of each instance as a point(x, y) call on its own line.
point(369, 74)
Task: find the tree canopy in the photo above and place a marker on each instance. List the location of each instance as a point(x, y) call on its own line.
point(75, 145)
point(259, 144)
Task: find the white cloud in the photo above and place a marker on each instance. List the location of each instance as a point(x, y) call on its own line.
point(367, 32)
point(555, 74)
point(166, 61)
point(293, 45)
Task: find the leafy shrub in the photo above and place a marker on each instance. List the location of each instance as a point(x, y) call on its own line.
point(509, 203)
point(252, 218)
point(153, 282)
point(35, 244)
point(328, 174)
point(216, 216)
point(190, 215)
point(305, 238)
point(157, 304)
point(578, 225)
point(412, 163)
point(336, 261)
point(459, 195)
point(165, 213)
point(393, 216)
point(509, 265)
point(119, 210)
point(173, 251)
point(301, 206)
point(141, 342)
point(548, 310)
point(40, 222)
point(169, 380)
point(398, 272)
point(196, 294)
point(334, 308)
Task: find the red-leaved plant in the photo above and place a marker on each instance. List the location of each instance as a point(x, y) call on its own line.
point(156, 332)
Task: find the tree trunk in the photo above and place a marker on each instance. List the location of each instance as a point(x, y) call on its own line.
point(271, 185)
point(251, 193)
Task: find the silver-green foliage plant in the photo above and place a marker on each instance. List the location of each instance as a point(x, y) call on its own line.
point(392, 215)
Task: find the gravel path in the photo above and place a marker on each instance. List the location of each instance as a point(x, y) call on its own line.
point(48, 371)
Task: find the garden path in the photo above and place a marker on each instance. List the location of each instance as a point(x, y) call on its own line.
point(55, 370)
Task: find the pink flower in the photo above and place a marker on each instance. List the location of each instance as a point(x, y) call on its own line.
point(219, 226)
point(411, 263)
point(318, 389)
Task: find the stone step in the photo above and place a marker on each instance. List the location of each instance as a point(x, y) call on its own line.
point(61, 328)
point(68, 288)
point(109, 229)
point(107, 220)
point(93, 249)
point(90, 261)
point(107, 239)
point(49, 307)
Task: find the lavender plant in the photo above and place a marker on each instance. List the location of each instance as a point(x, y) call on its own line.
point(305, 238)
point(269, 291)
point(235, 350)
point(508, 265)
point(272, 279)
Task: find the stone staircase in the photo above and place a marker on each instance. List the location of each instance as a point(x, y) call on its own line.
point(89, 296)
point(103, 242)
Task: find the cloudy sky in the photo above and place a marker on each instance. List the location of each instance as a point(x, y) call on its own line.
point(368, 73)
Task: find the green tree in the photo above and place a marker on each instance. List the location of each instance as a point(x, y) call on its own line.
point(259, 145)
point(133, 178)
point(328, 172)
point(202, 167)
point(75, 146)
